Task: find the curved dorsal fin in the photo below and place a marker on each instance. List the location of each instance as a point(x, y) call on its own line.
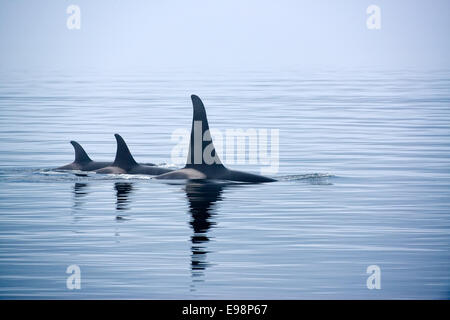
point(201, 153)
point(124, 159)
point(80, 155)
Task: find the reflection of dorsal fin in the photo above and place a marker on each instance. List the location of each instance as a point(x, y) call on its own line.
point(80, 155)
point(201, 153)
point(124, 159)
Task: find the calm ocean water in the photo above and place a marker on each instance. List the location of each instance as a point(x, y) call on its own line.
point(364, 180)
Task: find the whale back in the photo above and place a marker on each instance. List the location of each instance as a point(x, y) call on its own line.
point(202, 153)
point(124, 159)
point(80, 155)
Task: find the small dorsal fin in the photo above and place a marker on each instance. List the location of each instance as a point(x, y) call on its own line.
point(197, 157)
point(124, 159)
point(80, 155)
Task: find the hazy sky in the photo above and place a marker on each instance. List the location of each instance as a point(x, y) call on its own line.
point(224, 34)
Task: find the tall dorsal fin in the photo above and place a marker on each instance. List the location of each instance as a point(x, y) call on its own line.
point(201, 153)
point(80, 155)
point(124, 159)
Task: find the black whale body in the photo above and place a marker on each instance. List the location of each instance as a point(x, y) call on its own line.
point(82, 161)
point(198, 169)
point(124, 163)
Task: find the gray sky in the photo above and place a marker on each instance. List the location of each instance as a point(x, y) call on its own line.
point(252, 34)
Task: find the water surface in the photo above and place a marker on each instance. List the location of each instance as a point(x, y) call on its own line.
point(364, 180)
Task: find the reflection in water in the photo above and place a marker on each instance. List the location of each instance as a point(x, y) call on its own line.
point(201, 197)
point(123, 190)
point(79, 192)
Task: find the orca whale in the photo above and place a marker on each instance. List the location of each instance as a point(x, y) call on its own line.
point(82, 161)
point(125, 163)
point(197, 166)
